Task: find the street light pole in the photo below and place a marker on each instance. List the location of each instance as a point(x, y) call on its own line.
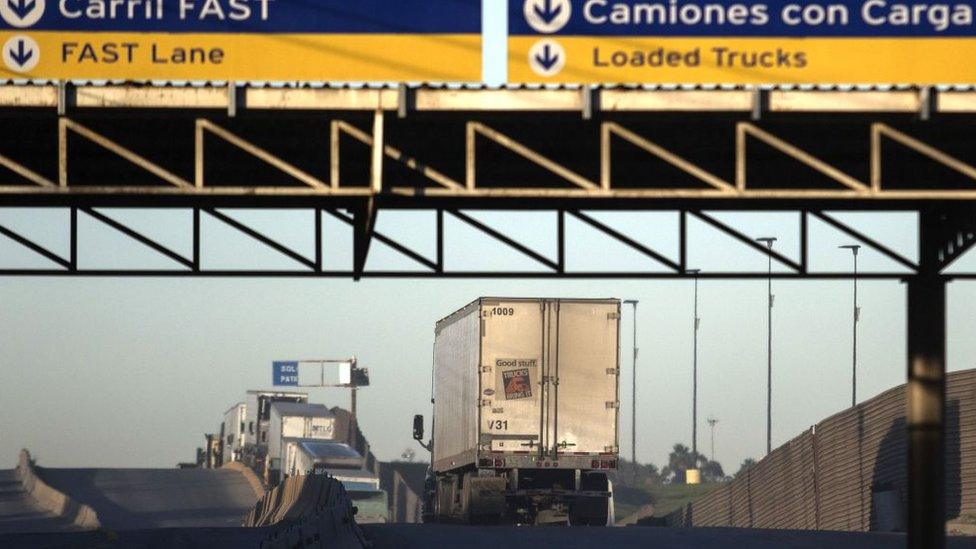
point(769, 345)
point(857, 315)
point(694, 374)
point(711, 424)
point(633, 394)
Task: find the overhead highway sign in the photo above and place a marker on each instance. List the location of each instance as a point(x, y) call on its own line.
point(741, 42)
point(284, 373)
point(319, 40)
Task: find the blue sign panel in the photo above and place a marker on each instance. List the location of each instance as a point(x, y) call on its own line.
point(285, 373)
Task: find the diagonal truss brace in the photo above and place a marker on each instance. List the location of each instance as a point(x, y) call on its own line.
point(339, 127)
point(959, 236)
point(275, 245)
point(879, 130)
point(745, 129)
point(870, 242)
point(139, 237)
point(473, 129)
point(66, 124)
point(203, 125)
point(25, 172)
point(626, 240)
point(748, 241)
point(419, 258)
point(609, 129)
point(555, 266)
point(35, 247)
point(966, 241)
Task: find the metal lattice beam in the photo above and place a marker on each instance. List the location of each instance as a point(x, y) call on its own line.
point(958, 230)
point(699, 166)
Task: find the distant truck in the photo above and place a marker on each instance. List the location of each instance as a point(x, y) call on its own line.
point(290, 424)
point(343, 463)
point(232, 431)
point(258, 412)
point(525, 412)
point(257, 419)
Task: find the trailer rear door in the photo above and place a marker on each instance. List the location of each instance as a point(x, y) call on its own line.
point(511, 375)
point(586, 370)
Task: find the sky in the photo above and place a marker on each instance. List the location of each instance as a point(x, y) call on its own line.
point(126, 372)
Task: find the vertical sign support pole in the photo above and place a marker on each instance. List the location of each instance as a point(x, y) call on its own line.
point(633, 403)
point(198, 171)
point(926, 393)
point(73, 240)
point(196, 240)
point(231, 99)
point(694, 382)
point(376, 164)
point(352, 396)
point(352, 404)
point(855, 313)
point(561, 241)
point(62, 152)
point(769, 361)
point(440, 243)
point(768, 241)
point(633, 395)
point(683, 240)
point(854, 352)
point(318, 239)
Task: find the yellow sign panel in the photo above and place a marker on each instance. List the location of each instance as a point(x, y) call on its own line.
point(741, 42)
point(751, 60)
point(346, 57)
point(337, 40)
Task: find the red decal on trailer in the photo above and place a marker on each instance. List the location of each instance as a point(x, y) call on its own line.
point(517, 384)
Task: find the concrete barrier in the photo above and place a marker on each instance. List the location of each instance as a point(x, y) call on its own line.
point(310, 511)
point(52, 500)
point(252, 479)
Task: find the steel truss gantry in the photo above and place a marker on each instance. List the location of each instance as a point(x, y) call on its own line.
point(353, 153)
point(957, 236)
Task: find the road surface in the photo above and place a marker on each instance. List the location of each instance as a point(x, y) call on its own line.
point(159, 538)
point(406, 536)
point(442, 536)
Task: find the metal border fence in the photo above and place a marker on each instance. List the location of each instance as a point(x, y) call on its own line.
point(848, 472)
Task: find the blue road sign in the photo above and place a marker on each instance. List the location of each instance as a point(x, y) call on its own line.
point(285, 373)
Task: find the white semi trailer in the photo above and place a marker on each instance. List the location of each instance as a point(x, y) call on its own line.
point(291, 423)
point(232, 431)
point(525, 412)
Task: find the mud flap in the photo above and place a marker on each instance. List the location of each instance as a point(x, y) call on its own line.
point(592, 511)
point(486, 498)
point(445, 507)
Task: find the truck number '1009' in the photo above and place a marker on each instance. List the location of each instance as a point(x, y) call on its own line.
point(500, 311)
point(498, 424)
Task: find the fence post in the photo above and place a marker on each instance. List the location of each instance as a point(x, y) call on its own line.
point(816, 479)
